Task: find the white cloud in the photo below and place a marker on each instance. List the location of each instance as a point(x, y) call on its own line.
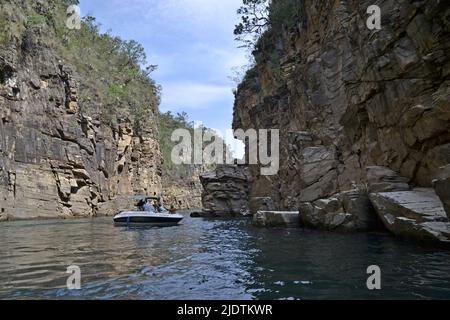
point(191, 41)
point(211, 63)
point(195, 13)
point(185, 16)
point(187, 95)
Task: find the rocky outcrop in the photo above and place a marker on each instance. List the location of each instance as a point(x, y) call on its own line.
point(261, 204)
point(276, 219)
point(356, 108)
point(313, 216)
point(225, 192)
point(416, 214)
point(382, 179)
point(348, 211)
point(57, 160)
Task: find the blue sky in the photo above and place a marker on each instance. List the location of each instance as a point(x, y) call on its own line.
point(193, 45)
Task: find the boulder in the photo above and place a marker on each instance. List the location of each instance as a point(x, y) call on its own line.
point(442, 188)
point(382, 179)
point(276, 219)
point(261, 204)
point(113, 207)
point(314, 215)
point(417, 214)
point(196, 214)
point(349, 211)
point(357, 203)
point(5, 217)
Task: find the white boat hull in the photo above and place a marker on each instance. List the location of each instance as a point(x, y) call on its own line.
point(133, 218)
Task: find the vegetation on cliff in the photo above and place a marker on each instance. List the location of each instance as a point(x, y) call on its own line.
point(263, 26)
point(181, 183)
point(170, 122)
point(114, 74)
point(261, 19)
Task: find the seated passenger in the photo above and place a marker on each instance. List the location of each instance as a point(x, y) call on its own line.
point(140, 205)
point(147, 207)
point(156, 207)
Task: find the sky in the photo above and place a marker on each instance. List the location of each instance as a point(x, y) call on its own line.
point(192, 43)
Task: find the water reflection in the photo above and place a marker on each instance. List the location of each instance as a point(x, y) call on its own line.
point(211, 260)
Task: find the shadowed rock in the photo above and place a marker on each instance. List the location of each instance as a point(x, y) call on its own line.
point(261, 204)
point(225, 192)
point(348, 211)
point(382, 179)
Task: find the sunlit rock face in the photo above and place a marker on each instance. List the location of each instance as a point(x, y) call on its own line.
point(415, 214)
point(347, 99)
point(183, 193)
point(55, 160)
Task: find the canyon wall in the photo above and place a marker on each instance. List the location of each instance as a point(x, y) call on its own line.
point(183, 193)
point(59, 157)
point(346, 98)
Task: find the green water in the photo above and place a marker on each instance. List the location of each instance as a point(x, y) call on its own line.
point(204, 259)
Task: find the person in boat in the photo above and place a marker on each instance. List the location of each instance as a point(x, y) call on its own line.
point(172, 210)
point(141, 204)
point(147, 207)
point(156, 207)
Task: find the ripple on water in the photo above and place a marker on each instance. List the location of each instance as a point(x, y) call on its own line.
point(213, 259)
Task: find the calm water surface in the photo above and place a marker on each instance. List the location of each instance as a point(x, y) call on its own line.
point(204, 259)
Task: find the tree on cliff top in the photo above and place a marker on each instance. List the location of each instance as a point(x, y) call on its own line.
point(260, 16)
point(168, 124)
point(254, 21)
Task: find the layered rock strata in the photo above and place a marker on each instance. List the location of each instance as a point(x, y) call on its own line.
point(183, 194)
point(55, 160)
point(417, 214)
point(226, 192)
point(357, 109)
point(346, 98)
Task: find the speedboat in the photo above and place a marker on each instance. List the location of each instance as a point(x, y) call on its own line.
point(148, 216)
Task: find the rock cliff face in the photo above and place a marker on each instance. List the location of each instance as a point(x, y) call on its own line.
point(346, 98)
point(226, 192)
point(183, 194)
point(55, 160)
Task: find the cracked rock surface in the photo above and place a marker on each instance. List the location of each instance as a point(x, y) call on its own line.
point(355, 108)
point(55, 160)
